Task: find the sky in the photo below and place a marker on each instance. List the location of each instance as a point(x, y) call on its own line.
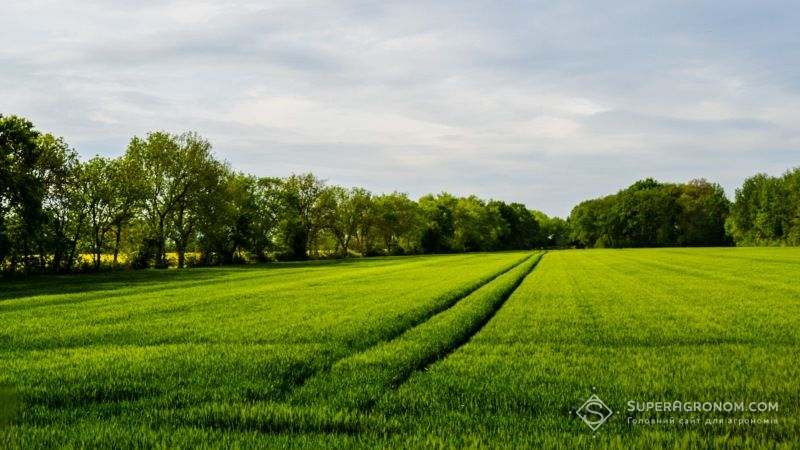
point(544, 103)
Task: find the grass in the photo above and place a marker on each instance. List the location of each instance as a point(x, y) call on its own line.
point(645, 325)
point(485, 350)
point(170, 340)
point(340, 399)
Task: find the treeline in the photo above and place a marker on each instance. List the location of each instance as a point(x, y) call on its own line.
point(169, 201)
point(653, 214)
point(766, 211)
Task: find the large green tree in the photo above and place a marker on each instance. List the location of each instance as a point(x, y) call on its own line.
point(438, 223)
point(302, 213)
point(653, 214)
point(21, 190)
point(266, 217)
point(520, 228)
point(767, 210)
point(396, 220)
point(228, 217)
point(100, 196)
point(344, 213)
point(127, 197)
point(64, 204)
point(176, 171)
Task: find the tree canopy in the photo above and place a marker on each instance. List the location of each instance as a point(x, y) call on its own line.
point(653, 214)
point(169, 201)
point(767, 210)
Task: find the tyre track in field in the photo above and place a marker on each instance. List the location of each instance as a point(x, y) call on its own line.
point(340, 396)
point(477, 328)
point(446, 305)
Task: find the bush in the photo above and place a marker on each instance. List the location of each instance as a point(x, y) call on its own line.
point(139, 260)
point(192, 261)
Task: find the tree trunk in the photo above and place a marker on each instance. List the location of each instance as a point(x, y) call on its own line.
point(97, 245)
point(74, 244)
point(346, 246)
point(299, 245)
point(116, 244)
point(161, 258)
point(26, 251)
point(181, 243)
point(42, 259)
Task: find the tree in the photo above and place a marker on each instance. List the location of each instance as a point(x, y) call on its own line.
point(366, 215)
point(302, 213)
point(396, 217)
point(242, 209)
point(100, 197)
point(128, 191)
point(42, 201)
point(588, 222)
point(18, 151)
point(766, 211)
point(64, 206)
point(474, 227)
point(344, 213)
point(645, 215)
point(521, 229)
point(438, 223)
point(653, 214)
point(176, 170)
point(21, 191)
point(206, 180)
point(703, 211)
point(60, 217)
point(554, 230)
point(227, 214)
point(267, 204)
point(791, 180)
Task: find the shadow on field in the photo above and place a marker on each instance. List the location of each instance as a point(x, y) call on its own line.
point(43, 285)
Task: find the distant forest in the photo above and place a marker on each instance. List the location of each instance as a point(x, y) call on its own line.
point(168, 201)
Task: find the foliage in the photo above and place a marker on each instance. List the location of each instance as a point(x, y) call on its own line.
point(168, 193)
point(767, 210)
point(653, 214)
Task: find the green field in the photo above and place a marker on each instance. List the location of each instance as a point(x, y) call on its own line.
point(476, 350)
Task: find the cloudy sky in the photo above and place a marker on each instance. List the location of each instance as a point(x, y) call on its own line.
point(546, 103)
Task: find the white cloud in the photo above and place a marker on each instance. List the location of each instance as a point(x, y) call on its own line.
point(546, 103)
